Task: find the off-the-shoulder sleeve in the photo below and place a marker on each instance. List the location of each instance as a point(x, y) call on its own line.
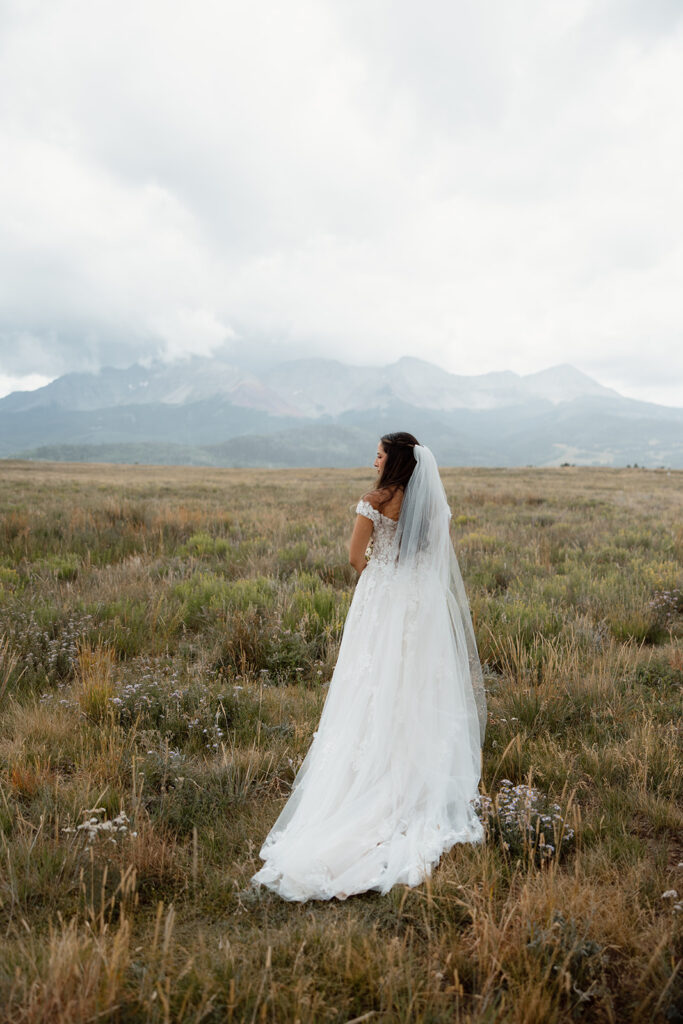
point(364, 508)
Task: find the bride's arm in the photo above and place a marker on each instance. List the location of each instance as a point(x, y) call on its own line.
point(360, 538)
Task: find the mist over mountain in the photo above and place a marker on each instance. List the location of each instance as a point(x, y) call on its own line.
point(315, 412)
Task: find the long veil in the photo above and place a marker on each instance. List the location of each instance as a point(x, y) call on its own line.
point(424, 549)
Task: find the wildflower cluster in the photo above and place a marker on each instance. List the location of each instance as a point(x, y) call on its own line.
point(289, 654)
point(665, 605)
point(164, 768)
point(213, 733)
point(50, 654)
point(155, 694)
point(525, 822)
point(565, 949)
point(53, 697)
point(182, 710)
point(676, 903)
point(96, 827)
point(148, 700)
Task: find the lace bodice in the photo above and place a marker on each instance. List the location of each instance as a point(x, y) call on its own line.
point(383, 533)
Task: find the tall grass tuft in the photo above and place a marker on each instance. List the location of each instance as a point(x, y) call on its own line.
point(95, 689)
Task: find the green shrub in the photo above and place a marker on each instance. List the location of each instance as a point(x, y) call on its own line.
point(203, 545)
point(63, 567)
point(641, 624)
point(292, 558)
point(658, 673)
point(124, 625)
point(206, 596)
point(316, 610)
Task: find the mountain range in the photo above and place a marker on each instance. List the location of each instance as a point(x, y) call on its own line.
point(321, 412)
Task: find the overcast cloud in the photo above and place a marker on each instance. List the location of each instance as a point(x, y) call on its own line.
point(491, 185)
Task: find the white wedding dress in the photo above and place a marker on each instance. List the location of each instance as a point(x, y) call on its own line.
point(388, 782)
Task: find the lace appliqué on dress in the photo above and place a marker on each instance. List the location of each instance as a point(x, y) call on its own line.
point(364, 508)
point(382, 535)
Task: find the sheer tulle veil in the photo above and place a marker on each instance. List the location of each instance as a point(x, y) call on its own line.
point(424, 550)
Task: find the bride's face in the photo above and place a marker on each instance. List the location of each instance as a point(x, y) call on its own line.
point(381, 459)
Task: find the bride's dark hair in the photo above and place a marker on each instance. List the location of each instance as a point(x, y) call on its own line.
point(400, 461)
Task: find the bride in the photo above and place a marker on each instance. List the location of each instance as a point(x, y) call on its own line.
point(388, 782)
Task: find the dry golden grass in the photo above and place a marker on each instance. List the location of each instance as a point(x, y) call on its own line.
point(165, 640)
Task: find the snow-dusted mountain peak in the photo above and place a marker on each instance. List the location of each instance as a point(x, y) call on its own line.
point(563, 383)
point(313, 387)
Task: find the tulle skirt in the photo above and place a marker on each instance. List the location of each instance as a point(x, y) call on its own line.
point(388, 782)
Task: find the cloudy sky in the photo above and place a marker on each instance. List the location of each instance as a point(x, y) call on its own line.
point(490, 184)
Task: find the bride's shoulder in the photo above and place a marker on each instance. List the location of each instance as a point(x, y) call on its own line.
point(377, 498)
point(385, 500)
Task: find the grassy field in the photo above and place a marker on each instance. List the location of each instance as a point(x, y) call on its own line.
point(165, 640)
